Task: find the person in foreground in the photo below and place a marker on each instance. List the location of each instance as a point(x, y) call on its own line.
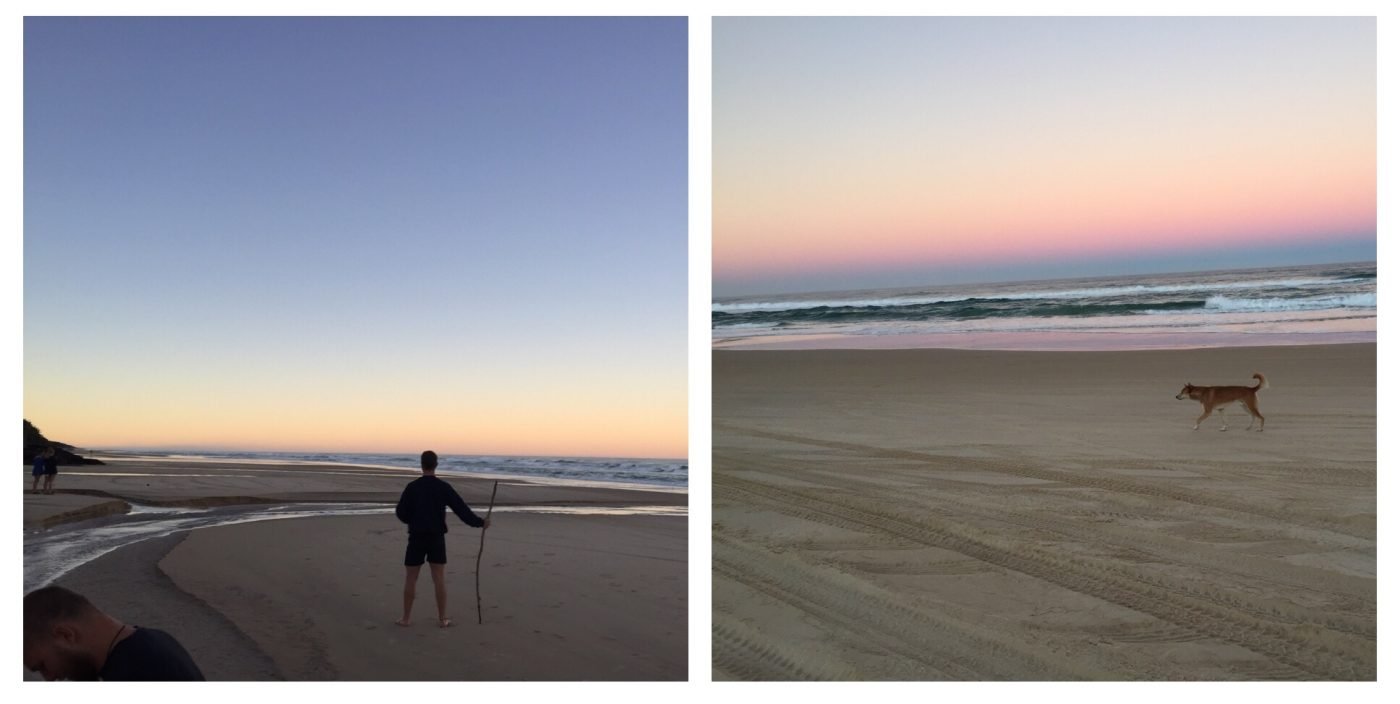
point(423, 507)
point(66, 637)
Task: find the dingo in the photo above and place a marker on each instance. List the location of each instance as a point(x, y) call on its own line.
point(1214, 398)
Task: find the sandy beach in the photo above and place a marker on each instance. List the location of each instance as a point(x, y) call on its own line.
point(576, 585)
point(999, 515)
point(44, 510)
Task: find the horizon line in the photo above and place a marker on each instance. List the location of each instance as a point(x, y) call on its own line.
point(714, 299)
point(412, 454)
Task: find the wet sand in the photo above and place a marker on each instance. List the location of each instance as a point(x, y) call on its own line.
point(980, 515)
point(129, 584)
point(187, 483)
point(566, 597)
point(43, 510)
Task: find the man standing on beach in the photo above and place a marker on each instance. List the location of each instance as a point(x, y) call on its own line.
point(423, 507)
point(66, 637)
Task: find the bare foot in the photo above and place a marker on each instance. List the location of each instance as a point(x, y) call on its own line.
point(403, 622)
point(444, 623)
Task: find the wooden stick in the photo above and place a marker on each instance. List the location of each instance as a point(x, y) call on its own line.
point(479, 550)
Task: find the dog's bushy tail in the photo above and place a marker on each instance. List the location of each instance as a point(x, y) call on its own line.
point(1263, 383)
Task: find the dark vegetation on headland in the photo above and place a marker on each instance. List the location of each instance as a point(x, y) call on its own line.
point(34, 442)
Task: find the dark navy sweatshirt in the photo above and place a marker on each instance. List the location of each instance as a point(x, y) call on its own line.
point(424, 503)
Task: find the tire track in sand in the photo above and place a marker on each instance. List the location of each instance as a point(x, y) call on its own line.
point(875, 617)
point(1280, 644)
point(1169, 550)
point(1027, 470)
point(739, 655)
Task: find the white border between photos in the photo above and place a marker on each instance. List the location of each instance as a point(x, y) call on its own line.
point(699, 348)
point(699, 689)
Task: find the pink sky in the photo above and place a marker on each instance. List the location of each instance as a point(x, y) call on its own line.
point(1122, 148)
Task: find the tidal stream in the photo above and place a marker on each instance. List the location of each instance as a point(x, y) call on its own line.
point(53, 552)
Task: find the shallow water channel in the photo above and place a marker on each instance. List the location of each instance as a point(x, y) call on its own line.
point(53, 552)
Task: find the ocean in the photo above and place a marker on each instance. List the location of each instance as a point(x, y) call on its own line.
point(656, 472)
point(1282, 305)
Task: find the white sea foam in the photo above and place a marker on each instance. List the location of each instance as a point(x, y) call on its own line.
point(1052, 293)
point(1326, 299)
point(1353, 300)
point(775, 306)
point(1301, 320)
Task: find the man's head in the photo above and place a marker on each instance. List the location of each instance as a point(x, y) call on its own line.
point(429, 461)
point(60, 639)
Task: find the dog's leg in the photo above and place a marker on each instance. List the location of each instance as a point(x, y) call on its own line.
point(1204, 415)
point(1223, 425)
point(1252, 404)
point(1245, 406)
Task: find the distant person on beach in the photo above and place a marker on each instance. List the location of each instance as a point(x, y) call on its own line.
point(66, 637)
point(40, 462)
point(50, 469)
point(423, 507)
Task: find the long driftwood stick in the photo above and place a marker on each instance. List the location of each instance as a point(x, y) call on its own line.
point(480, 549)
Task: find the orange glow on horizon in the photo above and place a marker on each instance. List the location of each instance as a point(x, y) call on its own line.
point(1063, 209)
point(564, 435)
point(577, 421)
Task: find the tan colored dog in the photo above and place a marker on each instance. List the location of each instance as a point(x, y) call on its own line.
point(1214, 398)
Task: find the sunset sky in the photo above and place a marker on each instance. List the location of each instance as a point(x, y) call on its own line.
point(357, 234)
point(871, 152)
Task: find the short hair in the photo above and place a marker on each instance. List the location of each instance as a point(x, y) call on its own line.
point(428, 460)
point(47, 605)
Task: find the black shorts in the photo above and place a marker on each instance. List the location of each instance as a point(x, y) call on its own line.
point(433, 547)
point(50, 471)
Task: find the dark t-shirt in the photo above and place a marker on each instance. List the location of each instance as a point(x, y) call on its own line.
point(424, 502)
point(149, 655)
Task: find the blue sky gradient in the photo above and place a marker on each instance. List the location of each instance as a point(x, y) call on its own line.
point(296, 203)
